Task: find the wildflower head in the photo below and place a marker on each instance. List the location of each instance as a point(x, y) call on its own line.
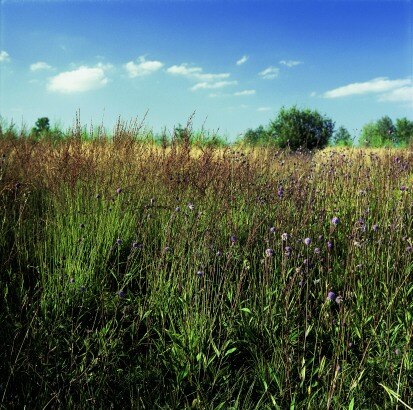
point(269, 252)
point(331, 296)
point(284, 237)
point(335, 220)
point(287, 251)
point(280, 191)
point(307, 241)
point(329, 245)
point(119, 241)
point(375, 227)
point(119, 191)
point(72, 280)
point(200, 273)
point(191, 206)
point(121, 294)
point(272, 229)
point(233, 239)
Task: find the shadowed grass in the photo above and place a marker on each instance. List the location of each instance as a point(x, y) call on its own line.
point(149, 276)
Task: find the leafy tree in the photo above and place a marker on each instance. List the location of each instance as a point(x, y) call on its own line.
point(342, 137)
point(256, 137)
point(42, 126)
point(381, 133)
point(295, 128)
point(404, 131)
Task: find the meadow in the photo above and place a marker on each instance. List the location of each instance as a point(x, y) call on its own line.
point(150, 276)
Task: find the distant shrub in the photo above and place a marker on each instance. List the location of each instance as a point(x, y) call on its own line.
point(294, 128)
point(259, 136)
point(342, 138)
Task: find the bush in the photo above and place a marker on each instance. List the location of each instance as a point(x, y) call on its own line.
point(295, 128)
point(259, 136)
point(342, 138)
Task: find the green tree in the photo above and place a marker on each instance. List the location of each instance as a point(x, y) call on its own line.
point(342, 137)
point(256, 137)
point(404, 131)
point(380, 133)
point(295, 128)
point(42, 125)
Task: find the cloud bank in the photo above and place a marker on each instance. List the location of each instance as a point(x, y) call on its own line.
point(78, 81)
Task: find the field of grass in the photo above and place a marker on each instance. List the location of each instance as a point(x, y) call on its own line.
point(148, 277)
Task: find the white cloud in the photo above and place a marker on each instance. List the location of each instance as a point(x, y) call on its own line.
point(143, 68)
point(242, 60)
point(77, 81)
point(263, 109)
point(40, 65)
point(195, 73)
point(398, 95)
point(209, 86)
point(377, 85)
point(245, 92)
point(4, 56)
point(290, 63)
point(313, 94)
point(269, 73)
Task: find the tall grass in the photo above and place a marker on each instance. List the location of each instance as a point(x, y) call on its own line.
point(147, 276)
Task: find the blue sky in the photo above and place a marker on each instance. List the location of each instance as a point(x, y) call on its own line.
point(235, 63)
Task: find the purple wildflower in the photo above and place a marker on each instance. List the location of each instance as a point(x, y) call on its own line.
point(119, 191)
point(284, 237)
point(307, 241)
point(280, 191)
point(335, 220)
point(269, 252)
point(200, 273)
point(331, 296)
point(233, 239)
point(317, 251)
point(375, 227)
point(272, 229)
point(177, 209)
point(191, 206)
point(329, 245)
point(287, 251)
point(119, 241)
point(121, 294)
point(403, 188)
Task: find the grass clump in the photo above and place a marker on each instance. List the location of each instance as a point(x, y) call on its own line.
point(169, 276)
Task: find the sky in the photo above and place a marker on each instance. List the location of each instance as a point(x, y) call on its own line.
point(233, 63)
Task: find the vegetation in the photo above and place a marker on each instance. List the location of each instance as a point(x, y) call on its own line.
point(144, 275)
point(383, 133)
point(342, 138)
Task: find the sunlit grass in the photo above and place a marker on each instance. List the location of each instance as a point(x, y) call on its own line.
point(136, 275)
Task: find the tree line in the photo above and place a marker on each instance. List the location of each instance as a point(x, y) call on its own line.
point(296, 128)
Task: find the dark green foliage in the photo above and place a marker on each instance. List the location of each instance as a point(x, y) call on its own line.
point(342, 138)
point(404, 131)
point(295, 128)
point(42, 126)
point(258, 136)
point(383, 133)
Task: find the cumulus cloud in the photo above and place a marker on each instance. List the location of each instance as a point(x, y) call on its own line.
point(40, 65)
point(4, 56)
point(290, 63)
point(77, 81)
point(215, 85)
point(398, 95)
point(376, 85)
point(245, 92)
point(242, 60)
point(270, 73)
point(143, 68)
point(195, 73)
